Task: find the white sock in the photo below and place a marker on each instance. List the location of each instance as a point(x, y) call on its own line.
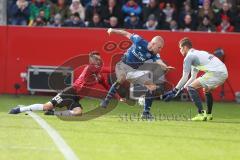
point(33, 107)
point(64, 113)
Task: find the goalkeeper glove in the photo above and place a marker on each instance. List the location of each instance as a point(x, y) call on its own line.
point(169, 95)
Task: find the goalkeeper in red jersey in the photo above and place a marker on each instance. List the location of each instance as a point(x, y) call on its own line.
point(70, 96)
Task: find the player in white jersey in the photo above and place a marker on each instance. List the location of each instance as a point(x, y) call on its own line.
point(215, 74)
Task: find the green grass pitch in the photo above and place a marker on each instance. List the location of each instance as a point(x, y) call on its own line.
point(118, 135)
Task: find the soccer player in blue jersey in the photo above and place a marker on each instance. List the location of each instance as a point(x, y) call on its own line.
point(139, 52)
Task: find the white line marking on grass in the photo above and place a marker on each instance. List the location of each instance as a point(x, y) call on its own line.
point(57, 139)
point(28, 148)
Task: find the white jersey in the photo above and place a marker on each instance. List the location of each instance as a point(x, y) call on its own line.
point(203, 61)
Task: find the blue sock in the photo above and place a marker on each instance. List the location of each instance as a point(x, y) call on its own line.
point(112, 91)
point(193, 93)
point(148, 101)
point(209, 101)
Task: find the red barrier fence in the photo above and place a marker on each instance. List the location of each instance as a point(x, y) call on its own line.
point(3, 58)
point(23, 46)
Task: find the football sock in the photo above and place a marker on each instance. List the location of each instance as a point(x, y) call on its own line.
point(148, 101)
point(193, 93)
point(112, 91)
point(209, 101)
point(64, 113)
point(33, 107)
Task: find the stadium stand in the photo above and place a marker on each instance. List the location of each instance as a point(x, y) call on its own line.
point(194, 15)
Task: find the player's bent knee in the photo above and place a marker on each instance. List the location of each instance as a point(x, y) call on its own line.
point(77, 111)
point(196, 84)
point(204, 90)
point(151, 87)
point(121, 78)
point(207, 89)
point(191, 89)
point(48, 106)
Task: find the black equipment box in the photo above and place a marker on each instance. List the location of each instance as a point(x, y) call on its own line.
point(48, 78)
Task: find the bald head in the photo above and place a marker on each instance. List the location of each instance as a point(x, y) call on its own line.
point(158, 39)
point(156, 44)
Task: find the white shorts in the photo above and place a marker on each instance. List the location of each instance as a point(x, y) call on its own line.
point(212, 80)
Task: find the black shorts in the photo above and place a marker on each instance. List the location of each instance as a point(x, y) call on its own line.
point(67, 98)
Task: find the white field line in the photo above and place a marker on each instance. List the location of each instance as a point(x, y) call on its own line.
point(57, 139)
point(27, 148)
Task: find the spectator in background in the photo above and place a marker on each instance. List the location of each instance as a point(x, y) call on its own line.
point(151, 8)
point(76, 7)
point(201, 3)
point(133, 22)
point(93, 8)
point(225, 25)
point(188, 24)
point(225, 11)
point(85, 3)
point(237, 23)
point(218, 4)
point(194, 4)
point(145, 2)
point(152, 23)
point(131, 7)
point(52, 1)
point(74, 21)
point(20, 13)
point(173, 26)
point(206, 10)
point(170, 13)
point(120, 3)
point(57, 21)
point(43, 16)
point(38, 21)
point(35, 8)
point(113, 23)
point(60, 8)
point(112, 10)
point(206, 25)
point(187, 10)
point(96, 21)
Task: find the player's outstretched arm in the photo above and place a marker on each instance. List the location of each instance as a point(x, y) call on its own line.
point(164, 66)
point(168, 96)
point(194, 73)
point(183, 80)
point(120, 32)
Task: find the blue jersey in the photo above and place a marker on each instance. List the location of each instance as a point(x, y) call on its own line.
point(138, 52)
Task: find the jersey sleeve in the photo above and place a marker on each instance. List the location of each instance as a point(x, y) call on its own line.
point(85, 71)
point(156, 57)
point(135, 38)
point(187, 64)
point(187, 68)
